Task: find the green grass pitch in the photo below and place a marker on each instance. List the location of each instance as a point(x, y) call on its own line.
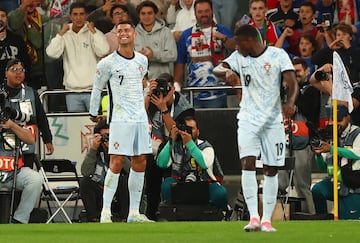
point(184, 232)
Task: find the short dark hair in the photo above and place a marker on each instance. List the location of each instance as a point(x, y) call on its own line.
point(147, 4)
point(203, 1)
point(129, 22)
point(309, 4)
point(344, 28)
point(3, 10)
point(102, 124)
point(166, 76)
point(247, 31)
point(77, 5)
point(299, 60)
point(123, 7)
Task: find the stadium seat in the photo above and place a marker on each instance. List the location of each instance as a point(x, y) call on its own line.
point(59, 172)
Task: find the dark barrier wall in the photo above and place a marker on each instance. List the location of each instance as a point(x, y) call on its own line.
point(219, 127)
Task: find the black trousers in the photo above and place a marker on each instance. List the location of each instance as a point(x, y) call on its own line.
point(153, 179)
point(92, 197)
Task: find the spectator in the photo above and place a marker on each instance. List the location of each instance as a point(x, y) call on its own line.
point(27, 180)
point(185, 17)
point(200, 48)
point(93, 168)
point(81, 45)
point(308, 109)
point(27, 22)
point(25, 99)
point(342, 45)
point(268, 32)
point(284, 15)
point(162, 108)
point(154, 40)
point(101, 16)
point(11, 46)
point(225, 12)
point(307, 47)
point(173, 10)
point(349, 182)
point(306, 16)
point(118, 13)
point(190, 157)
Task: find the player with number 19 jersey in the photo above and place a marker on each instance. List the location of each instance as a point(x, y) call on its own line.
point(260, 103)
point(123, 78)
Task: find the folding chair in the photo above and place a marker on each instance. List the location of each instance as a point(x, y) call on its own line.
point(284, 196)
point(59, 170)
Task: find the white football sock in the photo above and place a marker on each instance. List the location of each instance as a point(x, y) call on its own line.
point(270, 191)
point(110, 186)
point(135, 184)
point(250, 191)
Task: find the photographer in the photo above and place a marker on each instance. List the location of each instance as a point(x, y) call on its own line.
point(164, 105)
point(349, 173)
point(24, 99)
point(27, 180)
point(94, 168)
point(191, 159)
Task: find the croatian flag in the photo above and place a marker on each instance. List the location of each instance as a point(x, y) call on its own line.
point(342, 88)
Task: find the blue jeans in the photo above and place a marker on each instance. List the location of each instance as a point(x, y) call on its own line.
point(79, 102)
point(220, 102)
point(225, 12)
point(10, 5)
point(30, 183)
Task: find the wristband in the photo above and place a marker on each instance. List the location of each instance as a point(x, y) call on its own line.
point(165, 112)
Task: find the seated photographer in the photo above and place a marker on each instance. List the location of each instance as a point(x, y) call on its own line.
point(94, 168)
point(27, 180)
point(164, 105)
point(349, 173)
point(26, 100)
point(191, 159)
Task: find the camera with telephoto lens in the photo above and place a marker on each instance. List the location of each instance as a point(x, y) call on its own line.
point(321, 76)
point(161, 88)
point(7, 113)
point(105, 137)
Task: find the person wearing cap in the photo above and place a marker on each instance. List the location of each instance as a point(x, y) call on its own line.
point(163, 110)
point(349, 172)
point(25, 99)
point(191, 159)
point(27, 180)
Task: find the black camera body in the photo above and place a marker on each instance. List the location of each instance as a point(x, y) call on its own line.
point(321, 76)
point(315, 142)
point(161, 88)
point(105, 137)
point(184, 128)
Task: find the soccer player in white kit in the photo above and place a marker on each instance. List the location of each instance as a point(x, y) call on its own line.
point(122, 72)
point(262, 71)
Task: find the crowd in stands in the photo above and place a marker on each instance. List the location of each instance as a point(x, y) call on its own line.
point(178, 39)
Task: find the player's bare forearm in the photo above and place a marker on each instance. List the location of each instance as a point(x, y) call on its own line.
point(291, 83)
